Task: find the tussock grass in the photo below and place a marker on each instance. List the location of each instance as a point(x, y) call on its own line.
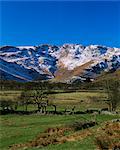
point(17, 129)
point(108, 137)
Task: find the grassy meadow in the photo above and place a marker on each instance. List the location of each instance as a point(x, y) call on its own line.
point(80, 99)
point(16, 129)
point(19, 129)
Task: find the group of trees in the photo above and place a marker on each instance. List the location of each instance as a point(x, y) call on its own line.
point(40, 95)
point(112, 89)
point(8, 85)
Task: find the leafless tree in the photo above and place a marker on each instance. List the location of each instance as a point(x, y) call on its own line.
point(25, 98)
point(51, 102)
point(113, 94)
point(39, 96)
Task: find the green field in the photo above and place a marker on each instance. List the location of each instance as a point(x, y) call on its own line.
point(82, 100)
point(20, 129)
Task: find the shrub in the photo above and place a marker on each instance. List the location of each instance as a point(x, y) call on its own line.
point(108, 137)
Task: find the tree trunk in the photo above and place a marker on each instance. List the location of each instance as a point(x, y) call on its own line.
point(55, 108)
point(26, 106)
point(16, 105)
point(45, 109)
point(73, 110)
point(39, 107)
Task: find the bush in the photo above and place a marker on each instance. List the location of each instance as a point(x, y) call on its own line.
point(7, 106)
point(108, 137)
point(83, 125)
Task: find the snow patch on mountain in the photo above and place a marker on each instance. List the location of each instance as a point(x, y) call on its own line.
point(72, 56)
point(46, 59)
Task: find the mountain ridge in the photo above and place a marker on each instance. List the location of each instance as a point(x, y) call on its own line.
point(61, 63)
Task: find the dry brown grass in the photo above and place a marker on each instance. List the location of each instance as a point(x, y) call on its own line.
point(108, 137)
point(55, 135)
point(64, 74)
point(50, 136)
point(76, 136)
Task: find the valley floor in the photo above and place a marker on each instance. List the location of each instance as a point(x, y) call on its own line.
point(19, 129)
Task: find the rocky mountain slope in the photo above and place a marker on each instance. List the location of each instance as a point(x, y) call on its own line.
point(60, 63)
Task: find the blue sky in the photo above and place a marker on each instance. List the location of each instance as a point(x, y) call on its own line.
point(59, 22)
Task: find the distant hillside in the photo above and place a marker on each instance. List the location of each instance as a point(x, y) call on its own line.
point(65, 63)
point(108, 76)
point(63, 74)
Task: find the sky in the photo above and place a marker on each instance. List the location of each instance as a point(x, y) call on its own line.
point(59, 22)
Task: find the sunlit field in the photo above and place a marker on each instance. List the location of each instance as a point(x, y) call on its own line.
point(20, 129)
point(80, 99)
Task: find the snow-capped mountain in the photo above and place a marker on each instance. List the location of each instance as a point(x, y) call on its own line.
point(64, 62)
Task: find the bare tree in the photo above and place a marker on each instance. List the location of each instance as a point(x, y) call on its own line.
point(113, 92)
point(25, 98)
point(73, 110)
point(51, 98)
point(39, 96)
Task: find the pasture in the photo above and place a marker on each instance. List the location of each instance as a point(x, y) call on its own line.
point(81, 100)
point(20, 129)
point(16, 129)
